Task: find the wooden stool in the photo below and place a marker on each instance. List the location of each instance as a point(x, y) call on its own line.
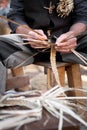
point(72, 72)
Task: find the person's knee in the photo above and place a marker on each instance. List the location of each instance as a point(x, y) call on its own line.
point(18, 59)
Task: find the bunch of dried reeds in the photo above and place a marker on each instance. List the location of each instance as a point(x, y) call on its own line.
point(53, 101)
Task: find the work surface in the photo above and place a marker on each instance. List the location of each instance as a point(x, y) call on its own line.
point(47, 122)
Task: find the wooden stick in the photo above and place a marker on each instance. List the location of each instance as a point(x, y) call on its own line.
point(16, 23)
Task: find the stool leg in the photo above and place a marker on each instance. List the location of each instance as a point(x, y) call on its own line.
point(17, 71)
point(20, 72)
point(74, 80)
point(61, 72)
point(50, 78)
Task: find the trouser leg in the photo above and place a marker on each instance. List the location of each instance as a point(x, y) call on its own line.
point(14, 55)
point(18, 59)
point(2, 78)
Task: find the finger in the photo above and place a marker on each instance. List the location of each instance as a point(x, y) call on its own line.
point(39, 47)
point(63, 50)
point(34, 40)
point(64, 37)
point(32, 34)
point(35, 35)
point(41, 33)
point(69, 34)
point(72, 41)
point(71, 46)
point(67, 45)
point(39, 44)
point(35, 43)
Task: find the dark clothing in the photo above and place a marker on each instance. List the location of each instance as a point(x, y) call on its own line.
point(7, 46)
point(33, 13)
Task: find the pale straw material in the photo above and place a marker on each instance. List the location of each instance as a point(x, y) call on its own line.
point(51, 100)
point(65, 7)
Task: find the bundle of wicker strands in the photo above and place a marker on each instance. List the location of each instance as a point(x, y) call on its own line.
point(65, 7)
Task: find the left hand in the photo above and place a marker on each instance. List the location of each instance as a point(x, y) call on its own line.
point(37, 39)
point(66, 42)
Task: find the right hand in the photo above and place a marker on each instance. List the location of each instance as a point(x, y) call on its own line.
point(66, 42)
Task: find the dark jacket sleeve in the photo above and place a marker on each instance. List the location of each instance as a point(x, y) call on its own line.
point(80, 11)
point(16, 13)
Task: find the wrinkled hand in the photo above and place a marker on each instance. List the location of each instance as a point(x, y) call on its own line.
point(66, 42)
point(36, 38)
